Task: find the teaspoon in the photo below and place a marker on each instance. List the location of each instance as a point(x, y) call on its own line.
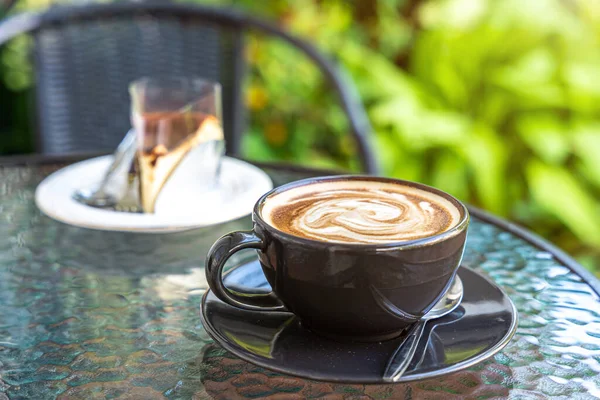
point(406, 351)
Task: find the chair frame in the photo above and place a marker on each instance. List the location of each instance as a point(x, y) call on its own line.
point(359, 124)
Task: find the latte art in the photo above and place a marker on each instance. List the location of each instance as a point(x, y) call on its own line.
point(360, 212)
point(366, 217)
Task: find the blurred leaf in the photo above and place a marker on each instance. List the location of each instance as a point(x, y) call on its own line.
point(452, 14)
point(397, 111)
point(589, 10)
point(533, 78)
point(534, 69)
point(546, 136)
point(255, 147)
point(496, 109)
point(18, 74)
point(583, 87)
point(586, 142)
point(392, 31)
point(435, 128)
point(432, 61)
point(387, 155)
point(487, 158)
point(450, 174)
point(321, 160)
point(410, 167)
point(421, 128)
point(565, 198)
point(583, 78)
point(539, 17)
point(380, 77)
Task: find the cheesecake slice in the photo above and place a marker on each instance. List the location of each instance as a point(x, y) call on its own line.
point(156, 165)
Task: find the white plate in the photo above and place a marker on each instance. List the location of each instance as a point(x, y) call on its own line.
point(184, 203)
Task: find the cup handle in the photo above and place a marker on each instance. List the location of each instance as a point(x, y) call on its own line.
point(218, 254)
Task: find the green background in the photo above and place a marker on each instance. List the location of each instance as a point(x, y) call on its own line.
point(494, 101)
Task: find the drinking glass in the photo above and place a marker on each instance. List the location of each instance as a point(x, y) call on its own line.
point(173, 117)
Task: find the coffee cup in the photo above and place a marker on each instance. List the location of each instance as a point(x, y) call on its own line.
point(354, 257)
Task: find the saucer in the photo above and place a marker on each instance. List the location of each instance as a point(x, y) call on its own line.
point(184, 203)
point(480, 327)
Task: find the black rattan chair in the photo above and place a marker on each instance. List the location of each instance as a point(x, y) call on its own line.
point(85, 56)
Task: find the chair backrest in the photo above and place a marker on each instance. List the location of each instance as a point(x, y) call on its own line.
point(85, 57)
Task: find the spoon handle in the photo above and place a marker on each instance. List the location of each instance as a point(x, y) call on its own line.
point(125, 151)
point(405, 353)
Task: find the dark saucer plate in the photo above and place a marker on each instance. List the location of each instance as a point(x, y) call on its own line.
point(480, 327)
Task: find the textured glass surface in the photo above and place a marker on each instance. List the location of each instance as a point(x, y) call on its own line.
point(90, 314)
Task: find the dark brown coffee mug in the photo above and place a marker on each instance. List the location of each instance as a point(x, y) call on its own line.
point(344, 290)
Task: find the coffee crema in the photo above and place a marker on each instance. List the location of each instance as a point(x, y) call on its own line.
point(355, 211)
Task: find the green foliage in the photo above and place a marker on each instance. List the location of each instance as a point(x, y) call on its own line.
point(495, 101)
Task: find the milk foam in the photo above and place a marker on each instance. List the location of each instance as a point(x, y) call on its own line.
point(360, 212)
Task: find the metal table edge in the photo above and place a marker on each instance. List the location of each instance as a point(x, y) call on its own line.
point(522, 233)
point(540, 243)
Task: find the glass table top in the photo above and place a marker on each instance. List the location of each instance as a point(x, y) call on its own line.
point(90, 314)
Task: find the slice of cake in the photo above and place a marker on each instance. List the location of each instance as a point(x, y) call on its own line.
point(156, 165)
